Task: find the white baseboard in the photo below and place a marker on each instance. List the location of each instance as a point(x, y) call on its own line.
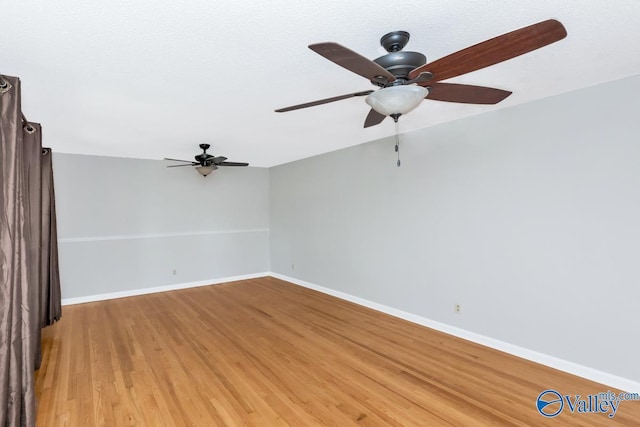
point(143, 291)
point(605, 378)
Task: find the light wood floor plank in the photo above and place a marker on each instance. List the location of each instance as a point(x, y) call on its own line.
point(265, 352)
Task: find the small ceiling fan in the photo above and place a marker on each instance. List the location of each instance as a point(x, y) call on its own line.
point(405, 78)
point(206, 163)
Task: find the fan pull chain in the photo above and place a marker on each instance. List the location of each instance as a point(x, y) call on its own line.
point(398, 142)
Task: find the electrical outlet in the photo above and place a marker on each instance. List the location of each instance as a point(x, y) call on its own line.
point(457, 309)
point(174, 271)
point(293, 266)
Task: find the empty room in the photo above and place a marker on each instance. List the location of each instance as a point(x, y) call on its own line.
point(320, 213)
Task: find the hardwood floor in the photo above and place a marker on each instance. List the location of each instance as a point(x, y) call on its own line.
point(265, 352)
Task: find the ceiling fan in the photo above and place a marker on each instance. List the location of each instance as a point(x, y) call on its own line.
point(405, 78)
point(206, 163)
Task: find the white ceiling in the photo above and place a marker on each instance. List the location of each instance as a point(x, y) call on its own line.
point(153, 79)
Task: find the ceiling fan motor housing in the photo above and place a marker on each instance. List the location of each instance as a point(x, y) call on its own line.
point(397, 62)
point(202, 157)
point(401, 63)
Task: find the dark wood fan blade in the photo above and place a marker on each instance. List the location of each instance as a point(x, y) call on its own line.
point(178, 160)
point(466, 94)
point(494, 50)
point(232, 164)
point(218, 159)
point(352, 61)
point(373, 118)
point(323, 101)
point(186, 164)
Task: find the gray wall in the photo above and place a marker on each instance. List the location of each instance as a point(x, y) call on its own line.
point(527, 217)
point(127, 224)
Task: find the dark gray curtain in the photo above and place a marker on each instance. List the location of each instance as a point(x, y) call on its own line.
point(25, 286)
point(31, 146)
point(51, 309)
point(17, 351)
